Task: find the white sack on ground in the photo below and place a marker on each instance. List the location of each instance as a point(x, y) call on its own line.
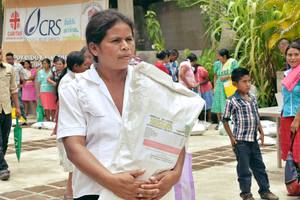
point(157, 123)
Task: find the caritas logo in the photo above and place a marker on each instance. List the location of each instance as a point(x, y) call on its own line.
point(14, 20)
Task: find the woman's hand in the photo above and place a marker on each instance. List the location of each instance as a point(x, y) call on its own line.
point(295, 125)
point(127, 187)
point(224, 78)
point(163, 181)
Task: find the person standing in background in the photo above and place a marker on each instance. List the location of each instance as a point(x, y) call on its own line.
point(162, 60)
point(289, 122)
point(20, 77)
point(8, 91)
point(172, 66)
point(222, 72)
point(282, 46)
point(29, 93)
point(205, 88)
point(46, 91)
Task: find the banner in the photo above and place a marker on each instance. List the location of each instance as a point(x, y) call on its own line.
point(35, 29)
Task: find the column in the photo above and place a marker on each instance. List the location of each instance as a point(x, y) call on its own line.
point(126, 7)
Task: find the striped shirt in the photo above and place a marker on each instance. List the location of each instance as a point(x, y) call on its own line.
point(244, 115)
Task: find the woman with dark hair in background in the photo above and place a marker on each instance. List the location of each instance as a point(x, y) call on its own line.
point(28, 88)
point(290, 118)
point(172, 66)
point(46, 91)
point(163, 59)
point(222, 72)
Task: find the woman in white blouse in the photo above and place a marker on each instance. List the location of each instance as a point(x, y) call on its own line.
point(90, 115)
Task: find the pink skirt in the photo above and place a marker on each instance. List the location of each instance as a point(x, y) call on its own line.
point(28, 92)
point(48, 100)
point(285, 139)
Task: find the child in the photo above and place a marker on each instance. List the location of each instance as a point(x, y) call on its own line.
point(205, 89)
point(243, 108)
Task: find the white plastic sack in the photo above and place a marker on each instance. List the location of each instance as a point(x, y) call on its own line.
point(200, 128)
point(158, 120)
point(269, 127)
point(43, 125)
point(222, 130)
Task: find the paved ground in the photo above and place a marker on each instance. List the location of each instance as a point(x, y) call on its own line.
point(38, 176)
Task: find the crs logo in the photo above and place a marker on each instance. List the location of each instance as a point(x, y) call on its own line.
point(45, 27)
point(14, 20)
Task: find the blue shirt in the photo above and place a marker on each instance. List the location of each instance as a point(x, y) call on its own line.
point(245, 117)
point(173, 68)
point(291, 101)
point(42, 79)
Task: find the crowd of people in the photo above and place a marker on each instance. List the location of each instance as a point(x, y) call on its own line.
point(88, 131)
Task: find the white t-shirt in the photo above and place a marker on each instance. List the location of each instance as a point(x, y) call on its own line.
point(86, 109)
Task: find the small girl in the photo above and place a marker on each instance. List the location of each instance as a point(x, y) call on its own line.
point(28, 88)
point(205, 89)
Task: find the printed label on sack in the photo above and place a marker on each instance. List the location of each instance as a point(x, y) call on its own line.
point(162, 140)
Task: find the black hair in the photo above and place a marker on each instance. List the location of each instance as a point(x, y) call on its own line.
point(196, 65)
point(101, 22)
point(174, 52)
point(61, 60)
point(47, 60)
point(73, 58)
point(238, 73)
point(294, 45)
point(55, 59)
point(9, 54)
point(223, 53)
point(162, 54)
point(192, 57)
point(27, 61)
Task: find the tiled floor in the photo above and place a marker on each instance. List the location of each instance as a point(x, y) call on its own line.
point(54, 191)
point(34, 145)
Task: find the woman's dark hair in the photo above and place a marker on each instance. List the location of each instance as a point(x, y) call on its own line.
point(192, 57)
point(55, 59)
point(73, 58)
point(196, 65)
point(101, 22)
point(47, 60)
point(162, 54)
point(61, 60)
point(238, 73)
point(224, 53)
point(174, 52)
point(28, 61)
point(294, 45)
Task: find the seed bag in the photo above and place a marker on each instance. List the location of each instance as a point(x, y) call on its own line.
point(158, 119)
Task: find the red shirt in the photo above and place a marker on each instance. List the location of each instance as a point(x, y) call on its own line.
point(160, 65)
point(200, 76)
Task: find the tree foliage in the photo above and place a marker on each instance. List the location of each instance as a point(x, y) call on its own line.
point(258, 24)
point(154, 31)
